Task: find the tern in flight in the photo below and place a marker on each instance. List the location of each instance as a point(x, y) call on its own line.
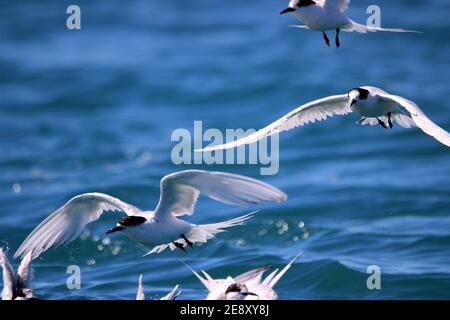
point(374, 105)
point(326, 15)
point(161, 228)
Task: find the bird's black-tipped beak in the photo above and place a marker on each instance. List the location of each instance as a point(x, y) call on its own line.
point(288, 9)
point(250, 294)
point(115, 229)
point(353, 102)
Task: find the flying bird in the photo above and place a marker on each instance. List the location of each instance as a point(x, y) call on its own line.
point(172, 295)
point(326, 15)
point(374, 105)
point(162, 227)
point(247, 286)
point(16, 286)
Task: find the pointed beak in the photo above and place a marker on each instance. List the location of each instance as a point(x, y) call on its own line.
point(353, 102)
point(115, 229)
point(250, 294)
point(288, 9)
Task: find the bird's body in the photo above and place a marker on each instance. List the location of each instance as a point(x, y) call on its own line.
point(374, 105)
point(326, 15)
point(247, 286)
point(162, 227)
point(154, 232)
point(320, 17)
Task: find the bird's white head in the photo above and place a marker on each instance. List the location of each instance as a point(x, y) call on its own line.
point(357, 95)
point(127, 222)
point(295, 4)
point(238, 291)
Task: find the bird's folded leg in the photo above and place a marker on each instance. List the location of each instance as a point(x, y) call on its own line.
point(327, 41)
point(179, 246)
point(338, 43)
point(189, 243)
point(389, 120)
point(381, 123)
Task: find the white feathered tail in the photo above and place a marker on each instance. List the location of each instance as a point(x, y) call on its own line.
point(361, 28)
point(203, 232)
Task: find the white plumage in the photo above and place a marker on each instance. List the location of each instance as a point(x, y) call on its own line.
point(379, 107)
point(160, 228)
point(247, 286)
point(16, 286)
point(326, 15)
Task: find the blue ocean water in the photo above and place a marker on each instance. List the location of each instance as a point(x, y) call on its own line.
point(94, 109)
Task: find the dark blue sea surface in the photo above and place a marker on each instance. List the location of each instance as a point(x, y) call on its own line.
point(94, 110)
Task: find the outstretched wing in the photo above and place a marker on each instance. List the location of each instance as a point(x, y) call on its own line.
point(172, 295)
point(180, 191)
point(9, 278)
point(252, 274)
point(25, 272)
point(311, 112)
point(66, 223)
point(272, 279)
point(209, 283)
point(140, 291)
point(420, 119)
